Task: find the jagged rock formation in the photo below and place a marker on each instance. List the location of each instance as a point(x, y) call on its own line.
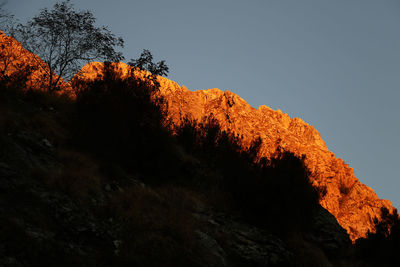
point(351, 202)
point(354, 204)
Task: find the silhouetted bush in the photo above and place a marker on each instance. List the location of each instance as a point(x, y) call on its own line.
point(275, 193)
point(381, 248)
point(122, 119)
point(289, 188)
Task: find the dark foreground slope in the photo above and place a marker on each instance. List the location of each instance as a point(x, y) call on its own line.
point(99, 182)
point(352, 203)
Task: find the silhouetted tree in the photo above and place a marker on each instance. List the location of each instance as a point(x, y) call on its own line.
point(121, 118)
point(145, 62)
point(6, 19)
point(65, 39)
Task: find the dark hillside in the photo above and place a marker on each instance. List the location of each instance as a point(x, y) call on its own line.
point(100, 182)
point(109, 164)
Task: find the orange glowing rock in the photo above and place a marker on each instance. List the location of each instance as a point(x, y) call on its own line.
point(15, 60)
point(354, 204)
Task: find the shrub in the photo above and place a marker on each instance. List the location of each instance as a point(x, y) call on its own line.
point(121, 119)
point(381, 248)
point(274, 193)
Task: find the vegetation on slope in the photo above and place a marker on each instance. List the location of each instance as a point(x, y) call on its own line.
point(101, 181)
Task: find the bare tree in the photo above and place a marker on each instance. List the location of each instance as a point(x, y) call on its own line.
point(8, 55)
point(6, 19)
point(65, 39)
point(145, 62)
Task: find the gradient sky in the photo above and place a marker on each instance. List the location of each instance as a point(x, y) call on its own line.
point(335, 64)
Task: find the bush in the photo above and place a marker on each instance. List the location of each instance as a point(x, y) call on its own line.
point(274, 193)
point(121, 119)
point(381, 248)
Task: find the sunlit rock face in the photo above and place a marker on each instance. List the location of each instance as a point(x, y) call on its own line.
point(15, 61)
point(354, 204)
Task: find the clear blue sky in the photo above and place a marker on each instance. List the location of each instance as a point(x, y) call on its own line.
point(335, 64)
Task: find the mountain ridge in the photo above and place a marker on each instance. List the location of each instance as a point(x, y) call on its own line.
point(354, 204)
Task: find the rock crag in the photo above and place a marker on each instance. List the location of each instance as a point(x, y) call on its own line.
point(15, 61)
point(353, 204)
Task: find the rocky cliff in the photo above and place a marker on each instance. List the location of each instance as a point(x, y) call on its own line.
point(17, 61)
point(354, 204)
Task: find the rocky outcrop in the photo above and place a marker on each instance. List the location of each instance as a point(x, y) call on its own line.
point(327, 233)
point(19, 62)
point(231, 239)
point(354, 204)
point(246, 244)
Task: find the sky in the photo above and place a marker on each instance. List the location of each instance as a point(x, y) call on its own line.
point(335, 64)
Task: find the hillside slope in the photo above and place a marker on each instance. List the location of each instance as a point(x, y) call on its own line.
point(70, 195)
point(354, 204)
